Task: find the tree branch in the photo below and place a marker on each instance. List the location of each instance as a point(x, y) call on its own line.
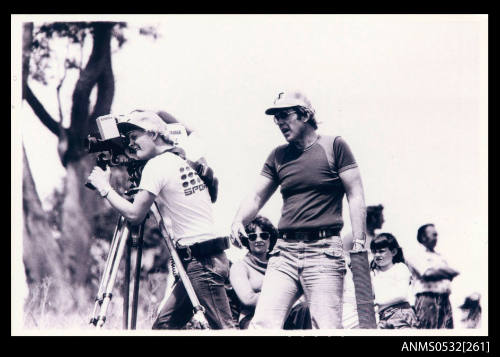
point(40, 112)
point(58, 91)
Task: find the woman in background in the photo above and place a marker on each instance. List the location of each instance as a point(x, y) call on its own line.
point(246, 276)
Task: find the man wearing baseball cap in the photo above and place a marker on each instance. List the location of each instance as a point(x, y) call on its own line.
point(185, 202)
point(313, 172)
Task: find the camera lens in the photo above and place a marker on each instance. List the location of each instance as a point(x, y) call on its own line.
point(93, 144)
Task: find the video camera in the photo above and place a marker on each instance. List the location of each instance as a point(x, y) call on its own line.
point(116, 145)
point(112, 147)
point(111, 141)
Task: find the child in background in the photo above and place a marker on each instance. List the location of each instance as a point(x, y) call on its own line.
point(391, 280)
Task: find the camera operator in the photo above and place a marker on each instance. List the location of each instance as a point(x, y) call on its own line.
point(185, 202)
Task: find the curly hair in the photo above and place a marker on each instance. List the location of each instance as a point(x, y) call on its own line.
point(266, 226)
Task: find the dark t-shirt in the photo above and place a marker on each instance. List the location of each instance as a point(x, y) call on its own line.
point(310, 184)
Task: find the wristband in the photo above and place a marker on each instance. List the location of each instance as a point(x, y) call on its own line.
point(361, 240)
point(104, 191)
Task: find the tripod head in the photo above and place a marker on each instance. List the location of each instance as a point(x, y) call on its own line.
point(134, 170)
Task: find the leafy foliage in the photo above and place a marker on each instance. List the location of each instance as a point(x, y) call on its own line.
point(75, 33)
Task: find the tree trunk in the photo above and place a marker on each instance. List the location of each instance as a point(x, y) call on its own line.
point(81, 204)
point(97, 71)
point(78, 209)
point(27, 40)
point(41, 254)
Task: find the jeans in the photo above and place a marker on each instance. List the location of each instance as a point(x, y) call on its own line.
point(315, 269)
point(207, 275)
point(350, 318)
point(299, 318)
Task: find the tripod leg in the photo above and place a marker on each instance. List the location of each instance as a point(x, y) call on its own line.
point(116, 262)
point(198, 309)
point(126, 285)
point(171, 280)
point(107, 268)
point(137, 278)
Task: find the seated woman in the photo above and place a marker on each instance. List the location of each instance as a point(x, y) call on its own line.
point(391, 281)
point(246, 275)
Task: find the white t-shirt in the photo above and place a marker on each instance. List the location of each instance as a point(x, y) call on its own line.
point(422, 260)
point(391, 286)
point(182, 197)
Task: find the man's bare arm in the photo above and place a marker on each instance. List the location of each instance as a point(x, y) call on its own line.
point(250, 206)
point(435, 274)
point(353, 186)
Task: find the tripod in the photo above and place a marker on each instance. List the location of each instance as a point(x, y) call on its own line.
point(127, 235)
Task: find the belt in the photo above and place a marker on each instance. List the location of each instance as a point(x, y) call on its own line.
point(209, 247)
point(311, 235)
point(431, 294)
point(400, 305)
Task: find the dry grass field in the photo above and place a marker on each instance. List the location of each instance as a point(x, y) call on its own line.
point(46, 308)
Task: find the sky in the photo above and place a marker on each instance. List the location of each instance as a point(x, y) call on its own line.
point(407, 92)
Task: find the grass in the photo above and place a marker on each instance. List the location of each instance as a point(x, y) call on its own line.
point(50, 307)
point(54, 305)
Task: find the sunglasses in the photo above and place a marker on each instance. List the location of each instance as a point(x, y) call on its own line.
point(282, 115)
point(253, 236)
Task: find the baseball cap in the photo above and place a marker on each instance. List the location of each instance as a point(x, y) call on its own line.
point(288, 99)
point(144, 120)
point(150, 121)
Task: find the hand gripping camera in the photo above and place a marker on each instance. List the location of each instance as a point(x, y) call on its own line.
point(112, 148)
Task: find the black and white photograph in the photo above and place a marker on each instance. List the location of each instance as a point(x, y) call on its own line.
point(249, 175)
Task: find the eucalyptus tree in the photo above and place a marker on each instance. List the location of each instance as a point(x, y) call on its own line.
point(92, 96)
